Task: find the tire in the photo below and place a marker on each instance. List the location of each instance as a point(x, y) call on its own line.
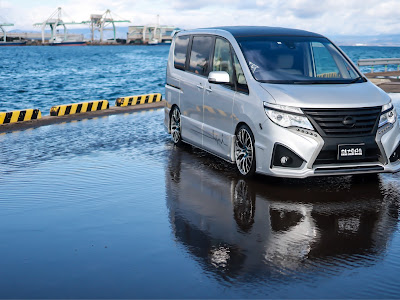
point(176, 129)
point(245, 155)
point(244, 205)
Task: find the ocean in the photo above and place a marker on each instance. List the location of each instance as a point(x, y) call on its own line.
point(40, 77)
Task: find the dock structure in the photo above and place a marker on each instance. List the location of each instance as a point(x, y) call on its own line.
point(37, 36)
point(100, 22)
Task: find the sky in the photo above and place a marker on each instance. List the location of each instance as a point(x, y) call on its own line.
point(328, 17)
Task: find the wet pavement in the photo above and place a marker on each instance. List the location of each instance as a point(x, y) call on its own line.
point(109, 208)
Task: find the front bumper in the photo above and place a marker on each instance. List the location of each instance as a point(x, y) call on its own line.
point(308, 145)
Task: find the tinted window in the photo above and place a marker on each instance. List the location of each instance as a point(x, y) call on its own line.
point(325, 65)
point(223, 58)
point(296, 60)
point(240, 79)
point(181, 44)
point(200, 55)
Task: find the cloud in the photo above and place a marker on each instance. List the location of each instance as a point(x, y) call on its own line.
point(329, 17)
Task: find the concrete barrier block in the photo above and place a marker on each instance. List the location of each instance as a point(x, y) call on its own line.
point(19, 116)
point(76, 108)
point(136, 100)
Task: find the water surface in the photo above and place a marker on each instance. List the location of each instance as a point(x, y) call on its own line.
point(109, 208)
point(40, 77)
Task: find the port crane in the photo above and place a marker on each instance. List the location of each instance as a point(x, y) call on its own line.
point(54, 21)
point(2, 25)
point(100, 23)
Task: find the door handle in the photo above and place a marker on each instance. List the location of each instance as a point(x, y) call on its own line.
point(200, 86)
point(209, 89)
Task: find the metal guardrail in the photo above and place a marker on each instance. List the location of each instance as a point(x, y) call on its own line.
point(379, 62)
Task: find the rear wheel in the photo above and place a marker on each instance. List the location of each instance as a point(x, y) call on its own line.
point(245, 152)
point(176, 126)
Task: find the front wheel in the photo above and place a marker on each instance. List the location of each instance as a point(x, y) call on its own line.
point(176, 126)
point(244, 151)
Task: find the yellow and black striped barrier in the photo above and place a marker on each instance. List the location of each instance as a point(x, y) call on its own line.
point(19, 116)
point(76, 108)
point(135, 100)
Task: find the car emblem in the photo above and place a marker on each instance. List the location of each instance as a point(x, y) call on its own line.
point(349, 122)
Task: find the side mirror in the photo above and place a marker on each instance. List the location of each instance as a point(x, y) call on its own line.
point(218, 77)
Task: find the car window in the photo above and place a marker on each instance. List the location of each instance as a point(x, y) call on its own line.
point(222, 57)
point(240, 79)
point(200, 55)
point(325, 65)
point(296, 60)
point(239, 71)
point(181, 45)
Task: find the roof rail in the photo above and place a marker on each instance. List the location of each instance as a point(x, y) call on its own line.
point(175, 32)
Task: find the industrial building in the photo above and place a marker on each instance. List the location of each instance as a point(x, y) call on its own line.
point(151, 34)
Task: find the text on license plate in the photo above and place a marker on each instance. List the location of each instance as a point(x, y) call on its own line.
point(351, 151)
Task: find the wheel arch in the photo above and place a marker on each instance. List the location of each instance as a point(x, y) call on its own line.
point(238, 125)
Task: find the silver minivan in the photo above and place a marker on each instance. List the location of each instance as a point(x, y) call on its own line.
point(276, 101)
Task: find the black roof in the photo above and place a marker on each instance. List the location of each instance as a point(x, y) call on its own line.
point(242, 31)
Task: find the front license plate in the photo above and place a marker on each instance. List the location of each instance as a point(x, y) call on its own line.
point(351, 151)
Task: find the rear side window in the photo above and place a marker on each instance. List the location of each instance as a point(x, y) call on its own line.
point(181, 45)
point(200, 55)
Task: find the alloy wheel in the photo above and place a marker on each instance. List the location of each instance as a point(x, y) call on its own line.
point(176, 126)
point(244, 151)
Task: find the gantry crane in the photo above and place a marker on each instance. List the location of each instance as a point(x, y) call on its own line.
point(100, 22)
point(2, 25)
point(54, 21)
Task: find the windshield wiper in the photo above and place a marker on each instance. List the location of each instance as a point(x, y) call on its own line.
point(276, 81)
point(318, 82)
point(357, 79)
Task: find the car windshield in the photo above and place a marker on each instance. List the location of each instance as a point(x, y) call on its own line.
point(296, 60)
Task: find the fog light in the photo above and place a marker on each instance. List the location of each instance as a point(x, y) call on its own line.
point(284, 157)
point(395, 155)
point(285, 160)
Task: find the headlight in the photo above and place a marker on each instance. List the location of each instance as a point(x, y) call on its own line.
point(389, 114)
point(287, 116)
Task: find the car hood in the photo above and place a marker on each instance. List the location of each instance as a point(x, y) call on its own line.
point(364, 94)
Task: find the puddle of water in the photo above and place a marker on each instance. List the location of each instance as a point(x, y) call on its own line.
point(108, 208)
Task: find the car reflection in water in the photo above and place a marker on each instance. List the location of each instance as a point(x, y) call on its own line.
point(268, 226)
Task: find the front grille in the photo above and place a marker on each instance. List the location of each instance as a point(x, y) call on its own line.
point(331, 122)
